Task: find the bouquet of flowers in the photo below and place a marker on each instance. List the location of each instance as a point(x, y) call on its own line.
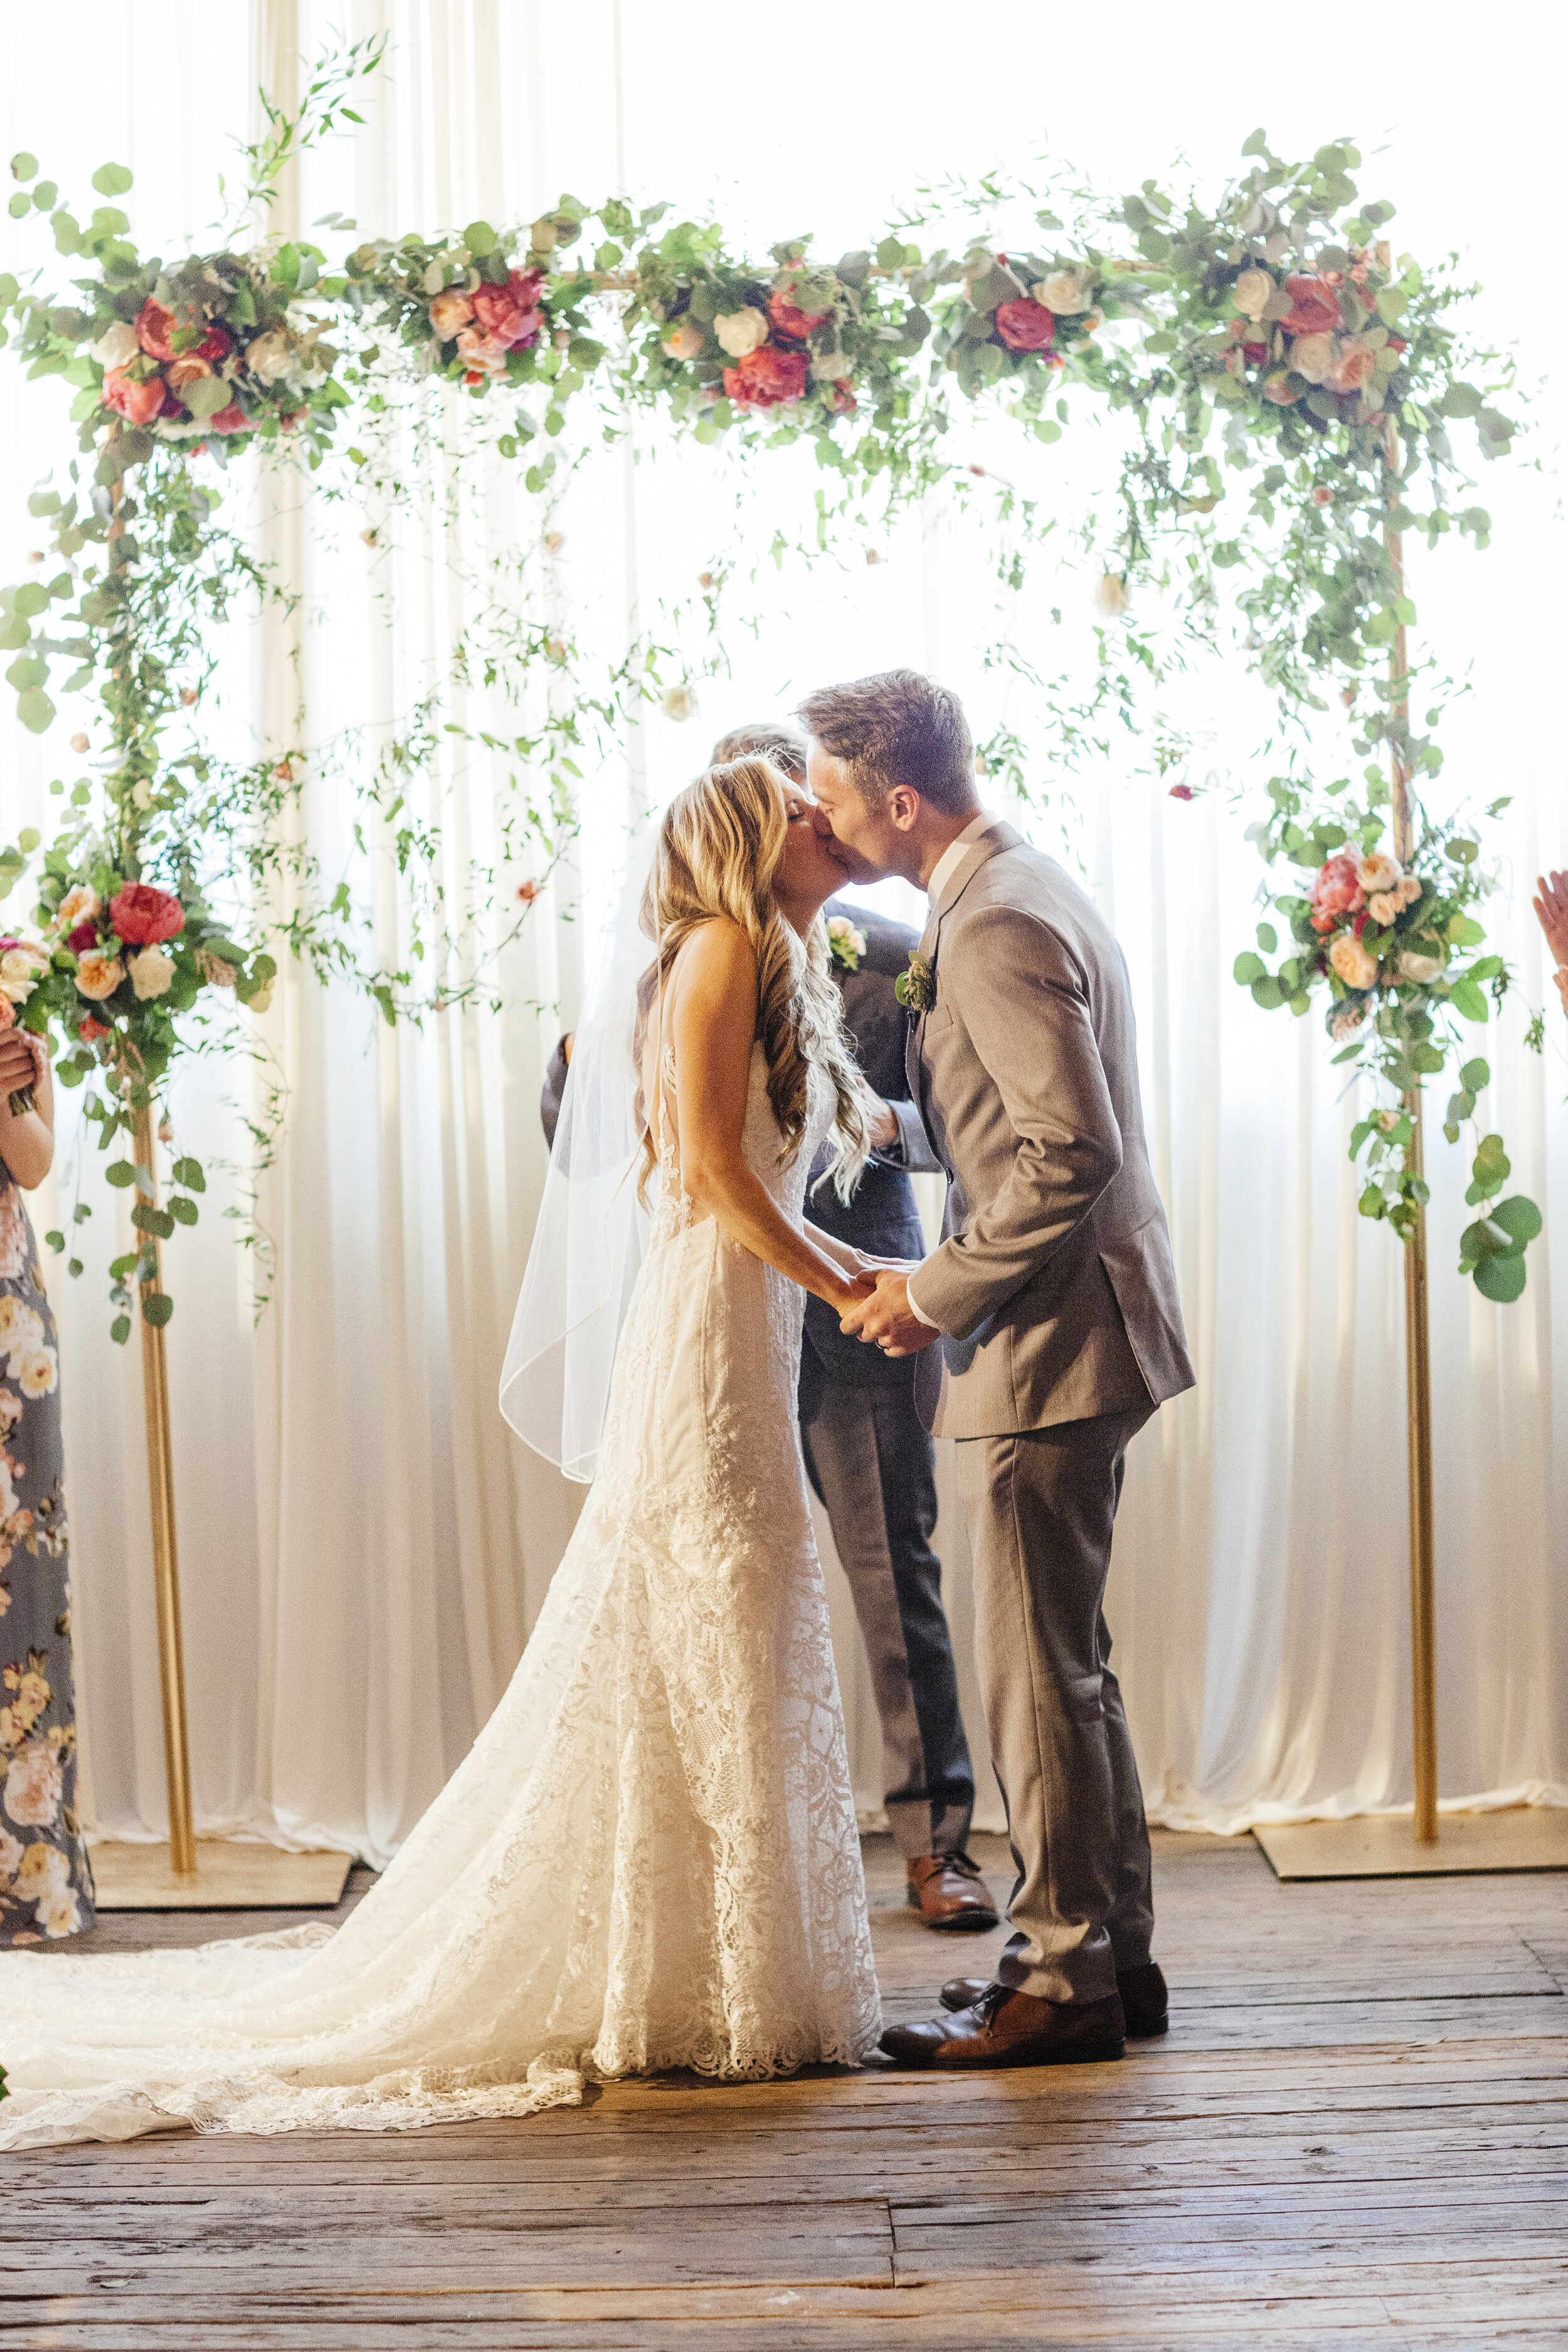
point(1396, 949)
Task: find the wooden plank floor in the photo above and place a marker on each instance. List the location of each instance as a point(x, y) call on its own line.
point(1356, 2134)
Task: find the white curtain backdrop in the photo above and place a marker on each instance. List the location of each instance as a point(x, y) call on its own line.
point(363, 1545)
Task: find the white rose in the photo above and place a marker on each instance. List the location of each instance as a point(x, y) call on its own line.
point(1065, 292)
point(19, 974)
point(684, 340)
point(1378, 872)
point(1110, 597)
point(270, 357)
point(1252, 292)
point(1312, 356)
point(117, 346)
point(1420, 968)
point(830, 367)
point(740, 331)
point(679, 703)
point(1354, 964)
point(152, 973)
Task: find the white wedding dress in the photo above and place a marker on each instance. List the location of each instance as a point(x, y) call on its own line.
point(649, 1858)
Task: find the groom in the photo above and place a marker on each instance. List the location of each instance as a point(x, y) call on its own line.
point(1048, 1329)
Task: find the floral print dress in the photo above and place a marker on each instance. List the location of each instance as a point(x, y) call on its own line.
point(46, 1882)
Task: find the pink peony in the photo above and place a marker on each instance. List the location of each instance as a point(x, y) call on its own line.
point(511, 313)
point(232, 419)
point(1025, 325)
point(141, 915)
point(1335, 893)
point(789, 320)
point(139, 403)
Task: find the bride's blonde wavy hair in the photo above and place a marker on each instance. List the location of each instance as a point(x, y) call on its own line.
point(719, 849)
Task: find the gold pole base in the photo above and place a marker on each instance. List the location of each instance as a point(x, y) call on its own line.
point(230, 1875)
point(1384, 1845)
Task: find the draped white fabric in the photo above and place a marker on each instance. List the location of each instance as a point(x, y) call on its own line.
point(363, 1545)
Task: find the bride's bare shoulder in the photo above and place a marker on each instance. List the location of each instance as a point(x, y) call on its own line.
point(716, 954)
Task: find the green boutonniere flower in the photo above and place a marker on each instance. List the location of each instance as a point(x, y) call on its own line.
point(915, 987)
point(846, 942)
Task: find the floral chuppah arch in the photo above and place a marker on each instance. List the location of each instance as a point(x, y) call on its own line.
point(1279, 331)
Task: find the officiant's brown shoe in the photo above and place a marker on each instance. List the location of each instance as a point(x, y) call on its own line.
point(1145, 2003)
point(1004, 2028)
point(948, 1891)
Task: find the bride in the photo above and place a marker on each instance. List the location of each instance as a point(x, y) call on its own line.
point(649, 1857)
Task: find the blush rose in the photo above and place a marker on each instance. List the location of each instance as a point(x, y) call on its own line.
point(1314, 307)
point(1336, 892)
point(141, 915)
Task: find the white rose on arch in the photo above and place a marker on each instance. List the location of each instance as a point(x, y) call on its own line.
point(1252, 293)
point(117, 346)
point(1312, 356)
point(1065, 292)
point(1422, 969)
point(152, 973)
point(1110, 597)
point(740, 332)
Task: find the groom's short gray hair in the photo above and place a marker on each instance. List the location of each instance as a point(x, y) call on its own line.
point(898, 728)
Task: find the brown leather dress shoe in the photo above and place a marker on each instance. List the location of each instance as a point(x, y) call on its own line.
point(948, 1891)
point(1012, 2029)
point(1145, 2003)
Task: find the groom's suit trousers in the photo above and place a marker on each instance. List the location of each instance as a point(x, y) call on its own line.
point(1039, 1505)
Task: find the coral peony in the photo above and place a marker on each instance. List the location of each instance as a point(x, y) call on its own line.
point(765, 377)
point(787, 319)
point(139, 403)
point(141, 914)
point(1025, 325)
point(232, 419)
point(1314, 307)
point(154, 327)
point(1336, 892)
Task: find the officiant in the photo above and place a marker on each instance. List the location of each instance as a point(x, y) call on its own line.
point(867, 1455)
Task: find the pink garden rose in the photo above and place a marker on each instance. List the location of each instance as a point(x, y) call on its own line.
point(34, 1786)
point(154, 327)
point(1025, 325)
point(232, 419)
point(1336, 892)
point(139, 403)
point(1352, 370)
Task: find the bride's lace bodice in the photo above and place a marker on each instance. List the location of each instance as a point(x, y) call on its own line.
point(649, 1858)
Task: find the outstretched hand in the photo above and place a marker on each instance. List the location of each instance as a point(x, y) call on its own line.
point(1552, 908)
point(885, 1319)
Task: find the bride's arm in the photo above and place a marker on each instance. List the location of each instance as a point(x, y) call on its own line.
point(712, 1019)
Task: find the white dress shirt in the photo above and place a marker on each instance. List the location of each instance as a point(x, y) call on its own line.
point(942, 872)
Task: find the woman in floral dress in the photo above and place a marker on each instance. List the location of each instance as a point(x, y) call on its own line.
point(46, 1884)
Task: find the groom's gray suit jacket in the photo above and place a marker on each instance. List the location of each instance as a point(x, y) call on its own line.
point(1053, 1286)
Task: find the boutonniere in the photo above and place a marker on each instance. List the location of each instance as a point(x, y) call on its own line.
point(846, 942)
point(915, 986)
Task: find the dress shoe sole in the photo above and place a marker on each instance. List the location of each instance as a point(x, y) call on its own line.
point(1092, 2053)
point(961, 1922)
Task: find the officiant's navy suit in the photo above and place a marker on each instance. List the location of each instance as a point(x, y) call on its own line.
point(866, 1454)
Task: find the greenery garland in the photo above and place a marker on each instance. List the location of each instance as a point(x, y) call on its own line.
point(1277, 339)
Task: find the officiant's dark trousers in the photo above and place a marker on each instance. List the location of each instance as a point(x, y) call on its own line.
point(1039, 1506)
point(871, 1464)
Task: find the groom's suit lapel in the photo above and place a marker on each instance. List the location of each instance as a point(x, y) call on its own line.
point(995, 838)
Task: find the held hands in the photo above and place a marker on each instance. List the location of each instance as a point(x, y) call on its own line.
point(880, 1123)
point(885, 1318)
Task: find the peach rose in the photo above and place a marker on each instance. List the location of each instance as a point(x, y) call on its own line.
point(1378, 872)
point(484, 355)
point(1354, 368)
point(1383, 907)
point(181, 373)
point(98, 975)
point(34, 1786)
point(683, 341)
point(80, 904)
point(1409, 890)
point(1355, 966)
point(450, 312)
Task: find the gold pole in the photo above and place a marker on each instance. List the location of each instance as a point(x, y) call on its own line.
point(165, 1557)
point(1418, 1345)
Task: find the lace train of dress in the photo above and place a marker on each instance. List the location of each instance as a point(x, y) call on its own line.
point(649, 1857)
